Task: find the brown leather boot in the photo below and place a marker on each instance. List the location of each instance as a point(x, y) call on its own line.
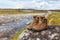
point(39, 23)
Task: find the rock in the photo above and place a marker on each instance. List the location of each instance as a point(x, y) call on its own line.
point(1, 34)
point(5, 38)
point(51, 33)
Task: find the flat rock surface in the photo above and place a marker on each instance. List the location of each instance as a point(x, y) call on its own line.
point(51, 33)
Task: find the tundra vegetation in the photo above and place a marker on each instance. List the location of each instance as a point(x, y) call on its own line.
point(53, 19)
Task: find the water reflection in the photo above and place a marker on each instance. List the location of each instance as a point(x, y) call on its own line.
point(10, 25)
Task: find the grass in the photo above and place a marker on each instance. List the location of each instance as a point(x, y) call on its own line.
point(8, 14)
point(53, 19)
point(16, 12)
point(15, 37)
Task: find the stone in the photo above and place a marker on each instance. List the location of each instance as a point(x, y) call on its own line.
point(51, 33)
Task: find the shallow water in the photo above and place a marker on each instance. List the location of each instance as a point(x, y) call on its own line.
point(12, 24)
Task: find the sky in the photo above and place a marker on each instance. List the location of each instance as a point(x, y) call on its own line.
point(31, 4)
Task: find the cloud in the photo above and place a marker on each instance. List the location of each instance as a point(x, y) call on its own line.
point(32, 5)
point(54, 6)
point(22, 4)
point(29, 4)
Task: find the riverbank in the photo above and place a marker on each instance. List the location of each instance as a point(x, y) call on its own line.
point(53, 19)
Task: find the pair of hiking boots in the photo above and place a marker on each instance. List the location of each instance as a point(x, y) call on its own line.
point(39, 23)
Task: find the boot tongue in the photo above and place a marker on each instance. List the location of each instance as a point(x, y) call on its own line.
point(40, 22)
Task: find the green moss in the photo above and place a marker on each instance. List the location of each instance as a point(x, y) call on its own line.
point(15, 37)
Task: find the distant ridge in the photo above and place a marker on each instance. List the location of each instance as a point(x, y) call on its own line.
point(28, 10)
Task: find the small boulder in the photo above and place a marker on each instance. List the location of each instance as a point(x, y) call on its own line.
point(51, 33)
